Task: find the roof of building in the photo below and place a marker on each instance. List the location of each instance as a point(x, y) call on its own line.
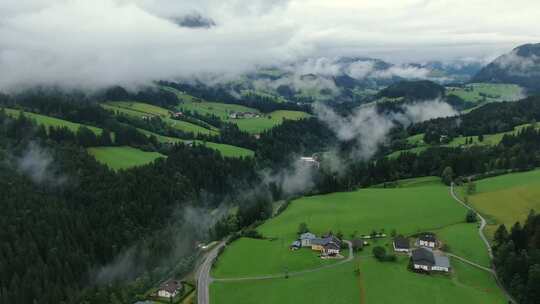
point(442, 261)
point(428, 237)
point(326, 240)
point(171, 286)
point(401, 242)
point(358, 243)
point(423, 256)
point(307, 236)
point(331, 246)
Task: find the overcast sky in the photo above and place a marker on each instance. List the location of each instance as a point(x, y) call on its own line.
point(92, 44)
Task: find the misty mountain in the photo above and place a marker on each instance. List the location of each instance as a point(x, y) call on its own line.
point(195, 21)
point(342, 79)
point(521, 66)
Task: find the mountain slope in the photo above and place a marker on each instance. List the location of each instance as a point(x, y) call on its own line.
point(521, 66)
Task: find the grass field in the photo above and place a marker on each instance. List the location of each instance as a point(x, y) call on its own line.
point(489, 139)
point(507, 198)
point(123, 157)
point(463, 240)
point(393, 283)
point(49, 121)
point(139, 109)
point(337, 285)
point(487, 92)
point(275, 254)
point(224, 149)
point(222, 110)
point(408, 210)
point(422, 204)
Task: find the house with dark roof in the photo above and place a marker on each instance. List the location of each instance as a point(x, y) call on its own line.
point(401, 244)
point(425, 259)
point(331, 249)
point(306, 238)
point(170, 289)
point(329, 244)
point(427, 240)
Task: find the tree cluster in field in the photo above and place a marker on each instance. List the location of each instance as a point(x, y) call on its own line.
point(381, 255)
point(517, 259)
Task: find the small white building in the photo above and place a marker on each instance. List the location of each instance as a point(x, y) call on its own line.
point(427, 240)
point(310, 161)
point(169, 289)
point(306, 238)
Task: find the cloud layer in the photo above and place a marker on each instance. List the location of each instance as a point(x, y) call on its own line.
point(91, 44)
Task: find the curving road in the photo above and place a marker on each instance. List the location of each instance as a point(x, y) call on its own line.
point(484, 238)
point(203, 275)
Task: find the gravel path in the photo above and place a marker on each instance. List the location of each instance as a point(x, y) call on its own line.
point(488, 246)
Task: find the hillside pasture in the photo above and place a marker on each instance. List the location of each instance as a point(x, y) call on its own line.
point(124, 157)
point(507, 199)
point(140, 110)
point(276, 256)
point(408, 210)
point(337, 285)
point(49, 121)
point(466, 285)
point(487, 92)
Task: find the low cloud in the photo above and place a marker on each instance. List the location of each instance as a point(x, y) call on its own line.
point(38, 164)
point(369, 128)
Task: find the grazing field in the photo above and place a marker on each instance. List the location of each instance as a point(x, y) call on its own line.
point(393, 283)
point(463, 240)
point(49, 121)
point(415, 205)
point(123, 157)
point(487, 92)
point(337, 285)
point(276, 256)
point(268, 121)
point(139, 109)
point(408, 210)
point(224, 149)
point(507, 198)
point(223, 110)
point(489, 139)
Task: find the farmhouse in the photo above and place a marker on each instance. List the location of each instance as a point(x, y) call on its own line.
point(239, 115)
point(427, 240)
point(425, 260)
point(169, 289)
point(401, 244)
point(306, 239)
point(329, 245)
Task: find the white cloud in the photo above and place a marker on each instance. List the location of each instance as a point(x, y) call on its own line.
point(89, 44)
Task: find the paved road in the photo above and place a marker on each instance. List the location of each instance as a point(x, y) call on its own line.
point(203, 275)
point(291, 274)
point(484, 238)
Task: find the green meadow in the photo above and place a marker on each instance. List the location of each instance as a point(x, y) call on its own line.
point(489, 139)
point(394, 283)
point(415, 205)
point(139, 109)
point(49, 121)
point(507, 199)
point(118, 158)
point(487, 92)
point(222, 110)
point(337, 285)
point(225, 149)
point(276, 256)
point(408, 210)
